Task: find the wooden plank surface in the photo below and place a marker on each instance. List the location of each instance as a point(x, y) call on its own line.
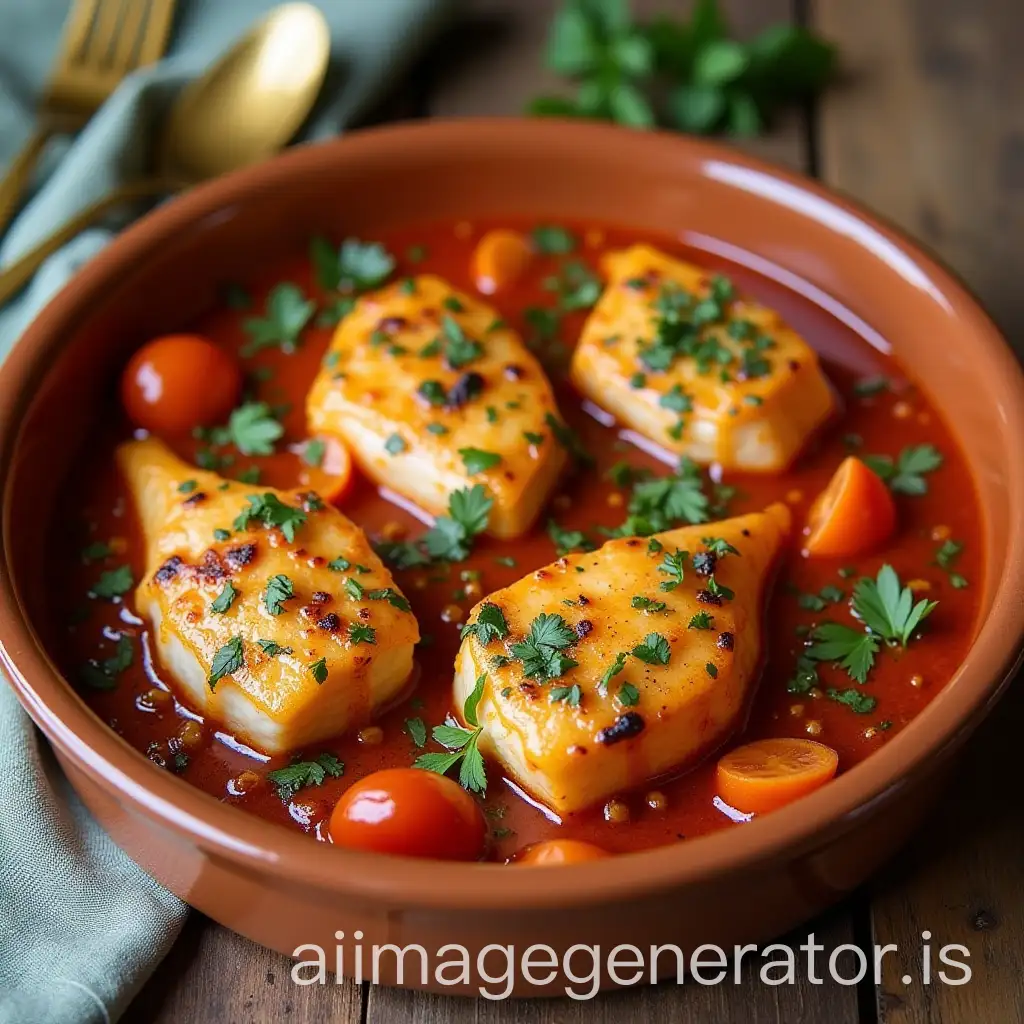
point(930, 132)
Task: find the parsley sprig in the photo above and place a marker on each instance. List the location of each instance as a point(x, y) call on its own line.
point(890, 616)
point(542, 651)
point(451, 537)
point(300, 774)
point(690, 75)
point(285, 315)
point(462, 744)
point(906, 473)
point(661, 503)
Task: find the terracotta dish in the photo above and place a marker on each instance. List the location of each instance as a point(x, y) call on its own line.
point(737, 884)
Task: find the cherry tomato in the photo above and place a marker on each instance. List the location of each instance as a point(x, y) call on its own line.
point(410, 812)
point(179, 382)
point(559, 851)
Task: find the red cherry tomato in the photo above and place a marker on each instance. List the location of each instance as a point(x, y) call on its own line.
point(410, 812)
point(559, 851)
point(179, 382)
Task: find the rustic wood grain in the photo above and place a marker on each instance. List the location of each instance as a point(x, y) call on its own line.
point(212, 975)
point(492, 63)
point(930, 132)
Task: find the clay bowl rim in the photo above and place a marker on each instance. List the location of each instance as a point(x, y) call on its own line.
point(248, 842)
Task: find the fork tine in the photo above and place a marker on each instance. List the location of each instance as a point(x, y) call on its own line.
point(158, 27)
point(79, 24)
point(97, 51)
point(127, 43)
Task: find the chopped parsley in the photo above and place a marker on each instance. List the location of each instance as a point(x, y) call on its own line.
point(319, 671)
point(113, 583)
point(946, 556)
point(478, 461)
point(553, 240)
point(269, 510)
point(490, 624)
point(906, 474)
point(660, 503)
point(889, 614)
point(616, 667)
point(647, 605)
point(569, 440)
point(360, 634)
point(568, 540)
point(187, 486)
point(96, 552)
point(673, 565)
point(577, 286)
point(225, 599)
point(462, 745)
point(571, 695)
point(702, 620)
point(628, 695)
point(286, 313)
point(676, 400)
point(102, 675)
point(458, 349)
point(395, 445)
point(542, 650)
point(252, 428)
point(279, 589)
point(288, 781)
point(654, 650)
point(272, 648)
point(355, 267)
point(313, 452)
point(416, 730)
point(855, 700)
point(228, 659)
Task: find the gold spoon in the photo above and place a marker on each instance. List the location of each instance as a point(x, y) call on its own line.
point(244, 109)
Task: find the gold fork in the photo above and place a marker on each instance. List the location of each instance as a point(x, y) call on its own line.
point(104, 40)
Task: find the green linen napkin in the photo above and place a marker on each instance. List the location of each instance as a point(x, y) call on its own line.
point(81, 926)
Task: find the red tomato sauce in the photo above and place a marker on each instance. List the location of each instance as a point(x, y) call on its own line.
point(903, 682)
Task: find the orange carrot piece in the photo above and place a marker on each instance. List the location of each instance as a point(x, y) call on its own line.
point(770, 773)
point(853, 515)
point(499, 260)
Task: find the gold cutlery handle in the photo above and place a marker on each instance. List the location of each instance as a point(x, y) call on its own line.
point(12, 188)
point(17, 274)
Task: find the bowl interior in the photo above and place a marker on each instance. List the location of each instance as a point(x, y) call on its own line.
point(171, 266)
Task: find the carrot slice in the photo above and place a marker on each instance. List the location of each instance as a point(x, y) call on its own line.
point(332, 475)
point(499, 260)
point(853, 515)
point(767, 774)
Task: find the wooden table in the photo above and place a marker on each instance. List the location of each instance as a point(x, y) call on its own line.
point(927, 128)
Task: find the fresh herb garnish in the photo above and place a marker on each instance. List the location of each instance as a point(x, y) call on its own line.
point(571, 695)
point(360, 634)
point(395, 444)
point(702, 620)
point(906, 474)
point(102, 675)
point(568, 540)
point(478, 461)
point(490, 624)
point(541, 652)
point(113, 583)
point(617, 666)
point(355, 267)
point(416, 730)
point(458, 349)
point(279, 589)
point(313, 452)
point(288, 781)
point(889, 614)
point(286, 313)
point(569, 440)
point(225, 599)
point(647, 604)
point(451, 536)
point(272, 648)
point(855, 700)
point(319, 671)
point(688, 75)
point(654, 650)
point(462, 745)
point(228, 659)
point(252, 428)
point(96, 552)
point(660, 503)
point(269, 510)
point(674, 566)
point(577, 287)
point(552, 240)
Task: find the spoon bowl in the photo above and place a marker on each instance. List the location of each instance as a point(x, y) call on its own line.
point(252, 101)
point(245, 108)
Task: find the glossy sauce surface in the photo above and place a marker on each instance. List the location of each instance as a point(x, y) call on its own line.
point(883, 422)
